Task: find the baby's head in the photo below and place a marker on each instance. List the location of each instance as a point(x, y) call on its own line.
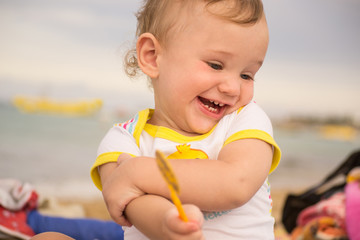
point(201, 57)
point(158, 17)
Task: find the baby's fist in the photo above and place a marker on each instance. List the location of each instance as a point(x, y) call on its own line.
point(175, 228)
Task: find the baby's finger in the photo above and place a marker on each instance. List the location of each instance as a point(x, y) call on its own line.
point(194, 213)
point(121, 220)
point(117, 214)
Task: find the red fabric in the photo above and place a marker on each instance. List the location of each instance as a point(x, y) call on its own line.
point(16, 195)
point(16, 199)
point(14, 223)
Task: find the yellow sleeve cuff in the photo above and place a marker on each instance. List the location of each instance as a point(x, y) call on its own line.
point(258, 134)
point(100, 160)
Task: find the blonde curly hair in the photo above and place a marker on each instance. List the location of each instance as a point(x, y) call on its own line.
point(155, 17)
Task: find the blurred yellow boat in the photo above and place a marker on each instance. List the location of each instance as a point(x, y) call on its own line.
point(338, 132)
point(51, 106)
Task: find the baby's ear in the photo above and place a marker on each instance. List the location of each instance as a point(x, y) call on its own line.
point(147, 49)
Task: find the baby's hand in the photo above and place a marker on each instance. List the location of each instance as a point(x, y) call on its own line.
point(118, 190)
point(175, 228)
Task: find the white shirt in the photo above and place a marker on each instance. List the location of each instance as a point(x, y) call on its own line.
point(253, 220)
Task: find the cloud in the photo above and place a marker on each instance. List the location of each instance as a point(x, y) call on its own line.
point(286, 88)
point(315, 30)
point(312, 61)
point(77, 19)
point(313, 58)
point(65, 41)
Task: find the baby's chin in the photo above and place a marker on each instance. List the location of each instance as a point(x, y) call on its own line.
point(205, 129)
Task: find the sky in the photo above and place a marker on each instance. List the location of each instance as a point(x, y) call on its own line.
point(74, 48)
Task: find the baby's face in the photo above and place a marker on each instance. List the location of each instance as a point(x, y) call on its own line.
point(206, 71)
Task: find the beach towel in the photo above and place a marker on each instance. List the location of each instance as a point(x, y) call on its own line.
point(16, 195)
point(323, 228)
point(332, 207)
point(296, 203)
point(334, 218)
point(16, 199)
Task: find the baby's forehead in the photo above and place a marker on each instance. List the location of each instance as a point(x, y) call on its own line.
point(238, 11)
point(183, 13)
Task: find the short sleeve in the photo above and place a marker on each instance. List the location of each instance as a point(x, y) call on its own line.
point(117, 141)
point(252, 122)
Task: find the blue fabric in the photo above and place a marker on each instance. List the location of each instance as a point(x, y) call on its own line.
point(77, 228)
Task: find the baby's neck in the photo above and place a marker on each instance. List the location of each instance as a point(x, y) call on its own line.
point(184, 133)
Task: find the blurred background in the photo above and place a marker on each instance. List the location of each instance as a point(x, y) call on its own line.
point(62, 87)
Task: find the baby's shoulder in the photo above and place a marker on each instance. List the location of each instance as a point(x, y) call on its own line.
point(135, 125)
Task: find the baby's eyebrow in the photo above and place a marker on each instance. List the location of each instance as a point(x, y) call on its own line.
point(222, 52)
point(260, 62)
point(229, 54)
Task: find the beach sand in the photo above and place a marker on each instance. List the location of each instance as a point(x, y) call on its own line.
point(95, 208)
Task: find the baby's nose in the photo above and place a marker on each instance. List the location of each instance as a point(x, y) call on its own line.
point(230, 86)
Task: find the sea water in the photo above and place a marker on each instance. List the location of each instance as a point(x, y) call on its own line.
point(50, 151)
point(56, 152)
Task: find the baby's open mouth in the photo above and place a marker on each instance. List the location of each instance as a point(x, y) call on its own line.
point(211, 105)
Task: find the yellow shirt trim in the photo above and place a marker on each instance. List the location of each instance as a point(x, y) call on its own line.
point(144, 115)
point(239, 110)
point(100, 160)
point(258, 134)
point(169, 134)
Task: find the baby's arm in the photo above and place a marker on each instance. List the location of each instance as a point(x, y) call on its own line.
point(157, 218)
point(227, 183)
point(153, 215)
point(212, 185)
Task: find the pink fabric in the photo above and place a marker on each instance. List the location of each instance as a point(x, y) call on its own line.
point(352, 192)
point(333, 207)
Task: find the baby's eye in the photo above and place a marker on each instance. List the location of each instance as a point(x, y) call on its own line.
point(246, 77)
point(215, 66)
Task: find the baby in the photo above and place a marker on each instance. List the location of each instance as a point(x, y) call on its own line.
point(201, 57)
